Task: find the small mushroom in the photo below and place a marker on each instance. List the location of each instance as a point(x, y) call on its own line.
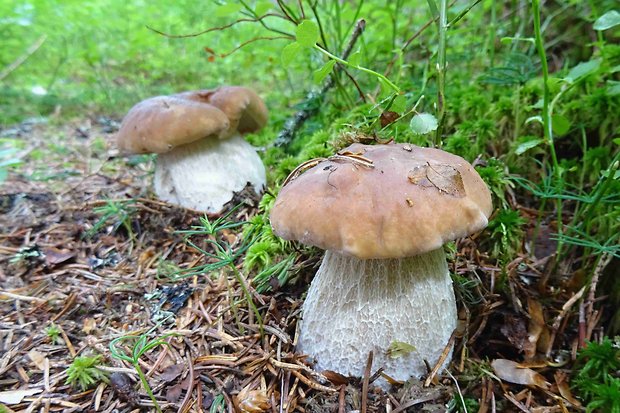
point(382, 213)
point(202, 158)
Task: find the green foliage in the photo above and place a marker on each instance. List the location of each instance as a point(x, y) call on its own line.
point(505, 231)
point(222, 253)
point(218, 405)
point(495, 175)
point(84, 373)
point(53, 333)
point(117, 213)
point(139, 346)
point(597, 379)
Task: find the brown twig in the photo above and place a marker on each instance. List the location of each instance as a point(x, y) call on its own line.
point(21, 59)
point(214, 29)
point(286, 136)
point(366, 382)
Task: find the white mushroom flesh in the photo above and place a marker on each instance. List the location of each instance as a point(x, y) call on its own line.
point(204, 175)
point(356, 306)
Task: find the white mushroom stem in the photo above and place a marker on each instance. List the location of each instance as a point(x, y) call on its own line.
point(203, 175)
point(356, 306)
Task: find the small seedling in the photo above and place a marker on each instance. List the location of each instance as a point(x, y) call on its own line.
point(53, 333)
point(118, 213)
point(140, 346)
point(223, 253)
point(84, 373)
point(597, 380)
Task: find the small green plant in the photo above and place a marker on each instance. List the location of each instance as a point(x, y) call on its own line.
point(139, 346)
point(598, 378)
point(118, 213)
point(84, 373)
point(222, 253)
point(218, 405)
point(53, 333)
point(506, 233)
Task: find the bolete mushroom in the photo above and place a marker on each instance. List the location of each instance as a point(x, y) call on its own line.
point(202, 158)
point(382, 213)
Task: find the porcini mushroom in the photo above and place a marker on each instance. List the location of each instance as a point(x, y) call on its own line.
point(382, 213)
point(202, 158)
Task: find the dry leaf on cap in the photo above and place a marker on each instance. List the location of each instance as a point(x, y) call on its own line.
point(512, 372)
point(251, 401)
point(16, 396)
point(447, 179)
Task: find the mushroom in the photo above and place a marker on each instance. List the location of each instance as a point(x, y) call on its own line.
point(383, 214)
point(202, 158)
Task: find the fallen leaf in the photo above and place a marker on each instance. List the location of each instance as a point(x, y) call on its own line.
point(447, 179)
point(515, 330)
point(564, 388)
point(399, 349)
point(37, 358)
point(512, 372)
point(388, 117)
point(89, 325)
point(55, 256)
point(251, 401)
point(536, 326)
point(172, 372)
point(16, 396)
point(336, 378)
point(173, 393)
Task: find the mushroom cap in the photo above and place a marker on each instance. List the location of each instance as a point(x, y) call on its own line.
point(411, 200)
point(246, 111)
point(161, 123)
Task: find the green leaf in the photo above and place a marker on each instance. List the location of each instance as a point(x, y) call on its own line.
point(434, 10)
point(423, 123)
point(399, 105)
point(613, 88)
point(582, 69)
point(355, 59)
point(321, 74)
point(399, 349)
point(560, 124)
point(307, 33)
point(262, 7)
point(607, 20)
point(290, 53)
point(527, 145)
point(228, 9)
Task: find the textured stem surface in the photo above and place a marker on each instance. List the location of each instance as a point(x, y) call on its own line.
point(356, 306)
point(203, 175)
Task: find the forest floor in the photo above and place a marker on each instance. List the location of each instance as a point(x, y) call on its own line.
point(73, 279)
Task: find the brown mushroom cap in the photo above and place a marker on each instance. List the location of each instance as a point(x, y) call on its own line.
point(409, 201)
point(162, 123)
point(245, 109)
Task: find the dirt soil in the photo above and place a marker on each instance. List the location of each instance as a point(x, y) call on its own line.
point(65, 267)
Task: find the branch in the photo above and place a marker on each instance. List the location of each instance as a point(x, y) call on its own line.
point(293, 124)
point(247, 42)
point(213, 29)
point(18, 62)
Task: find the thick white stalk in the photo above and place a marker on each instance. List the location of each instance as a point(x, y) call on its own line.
point(356, 306)
point(203, 175)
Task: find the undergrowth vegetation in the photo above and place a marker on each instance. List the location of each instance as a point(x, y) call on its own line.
point(529, 93)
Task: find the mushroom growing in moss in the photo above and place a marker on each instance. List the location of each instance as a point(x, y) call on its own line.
point(383, 214)
point(202, 158)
